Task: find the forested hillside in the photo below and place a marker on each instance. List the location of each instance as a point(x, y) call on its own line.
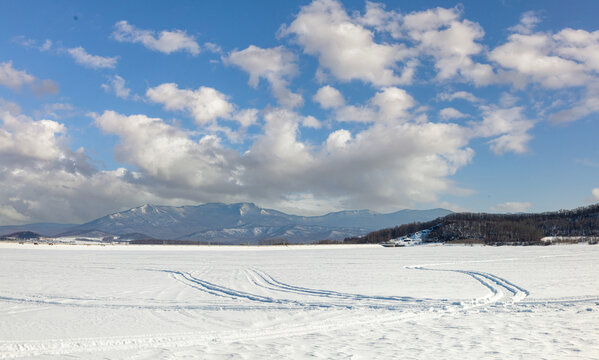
point(497, 228)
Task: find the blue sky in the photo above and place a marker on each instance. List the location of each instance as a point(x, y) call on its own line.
point(305, 107)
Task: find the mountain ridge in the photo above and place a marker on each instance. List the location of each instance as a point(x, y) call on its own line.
point(244, 223)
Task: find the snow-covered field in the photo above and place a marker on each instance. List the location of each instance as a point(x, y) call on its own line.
point(358, 302)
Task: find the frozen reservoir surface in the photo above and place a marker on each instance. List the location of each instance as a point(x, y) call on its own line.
point(341, 302)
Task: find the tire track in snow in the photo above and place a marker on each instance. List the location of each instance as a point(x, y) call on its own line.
point(347, 319)
point(264, 280)
point(232, 294)
point(501, 289)
point(338, 318)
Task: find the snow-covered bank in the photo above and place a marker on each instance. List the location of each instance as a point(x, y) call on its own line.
point(320, 301)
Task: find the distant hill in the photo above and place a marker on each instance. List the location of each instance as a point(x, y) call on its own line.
point(243, 223)
point(21, 235)
point(497, 229)
point(47, 229)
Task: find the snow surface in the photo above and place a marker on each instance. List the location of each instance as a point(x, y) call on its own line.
point(359, 302)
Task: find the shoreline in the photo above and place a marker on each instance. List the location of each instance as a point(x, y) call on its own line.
point(127, 247)
point(234, 247)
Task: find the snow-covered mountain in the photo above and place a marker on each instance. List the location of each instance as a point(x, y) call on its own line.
point(246, 222)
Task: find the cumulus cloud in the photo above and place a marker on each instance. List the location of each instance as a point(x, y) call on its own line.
point(579, 45)
point(410, 162)
point(31, 43)
point(39, 172)
point(167, 153)
point(117, 85)
point(328, 97)
point(204, 104)
point(275, 65)
point(165, 41)
point(57, 110)
point(586, 105)
point(531, 58)
point(528, 21)
point(451, 42)
point(12, 78)
point(464, 95)
point(390, 104)
point(311, 122)
point(451, 113)
point(246, 117)
point(15, 79)
point(213, 48)
point(512, 207)
point(25, 139)
point(509, 126)
point(346, 48)
point(82, 57)
point(44, 87)
point(568, 58)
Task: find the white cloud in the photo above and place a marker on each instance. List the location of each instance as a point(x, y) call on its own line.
point(246, 117)
point(82, 57)
point(15, 79)
point(117, 85)
point(38, 172)
point(429, 19)
point(338, 140)
point(213, 48)
point(512, 207)
point(528, 21)
point(12, 78)
point(205, 104)
point(311, 122)
point(508, 125)
point(165, 41)
point(346, 48)
point(30, 43)
point(385, 166)
point(452, 43)
point(56, 110)
point(586, 105)
point(579, 45)
point(328, 97)
point(595, 193)
point(530, 59)
point(47, 45)
point(390, 104)
point(565, 60)
point(168, 154)
point(393, 103)
point(352, 113)
point(25, 139)
point(275, 65)
point(44, 87)
point(375, 16)
point(464, 95)
point(451, 113)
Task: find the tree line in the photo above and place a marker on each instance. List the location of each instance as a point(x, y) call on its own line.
point(496, 229)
